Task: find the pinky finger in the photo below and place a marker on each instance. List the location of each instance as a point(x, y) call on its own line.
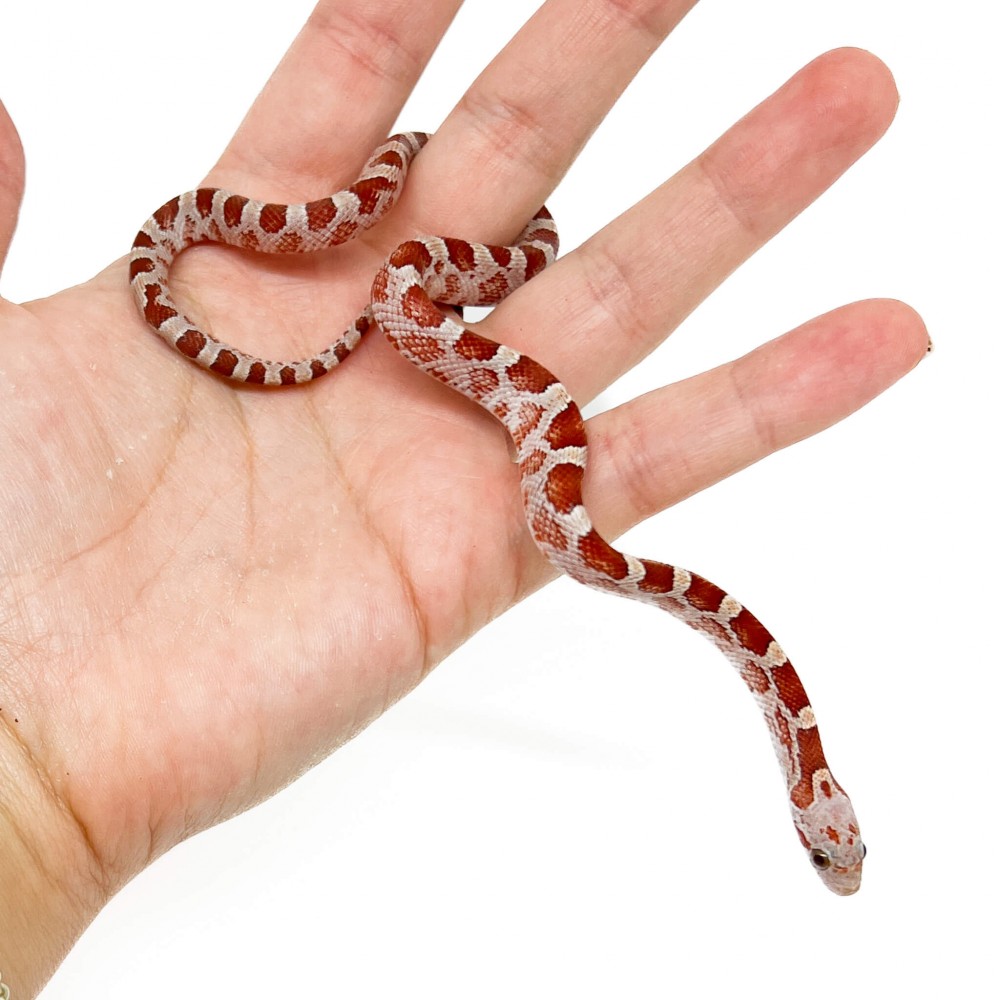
point(11, 181)
point(658, 449)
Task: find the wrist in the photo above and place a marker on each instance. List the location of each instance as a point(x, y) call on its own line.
point(50, 884)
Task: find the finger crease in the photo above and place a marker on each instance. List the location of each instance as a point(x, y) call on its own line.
point(371, 44)
point(763, 431)
point(610, 293)
point(506, 124)
point(637, 17)
point(727, 197)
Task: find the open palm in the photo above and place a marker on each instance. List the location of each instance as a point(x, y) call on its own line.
point(206, 589)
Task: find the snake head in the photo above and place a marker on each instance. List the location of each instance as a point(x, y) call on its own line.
point(829, 832)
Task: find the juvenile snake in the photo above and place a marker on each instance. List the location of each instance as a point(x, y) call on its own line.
point(534, 407)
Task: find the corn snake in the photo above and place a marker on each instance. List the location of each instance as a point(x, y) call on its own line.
point(533, 406)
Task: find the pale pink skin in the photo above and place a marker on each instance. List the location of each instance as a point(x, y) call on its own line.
point(830, 826)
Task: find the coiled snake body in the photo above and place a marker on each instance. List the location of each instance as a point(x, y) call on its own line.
point(535, 408)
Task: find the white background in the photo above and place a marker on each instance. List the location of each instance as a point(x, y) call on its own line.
point(601, 816)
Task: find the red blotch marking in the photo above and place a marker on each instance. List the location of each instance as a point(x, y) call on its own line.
point(232, 210)
point(273, 218)
point(832, 833)
point(803, 838)
point(156, 312)
point(379, 285)
point(790, 689)
point(659, 578)
point(546, 236)
point(493, 290)
point(779, 726)
point(853, 829)
point(225, 363)
point(566, 429)
point(291, 242)
point(482, 382)
point(564, 487)
point(341, 351)
point(412, 252)
point(438, 373)
point(751, 634)
point(166, 214)
point(501, 255)
point(599, 555)
point(390, 158)
point(287, 375)
point(191, 343)
point(249, 240)
point(143, 240)
point(425, 349)
point(545, 529)
point(461, 254)
point(370, 191)
point(704, 595)
point(470, 345)
point(530, 376)
point(534, 261)
point(321, 213)
point(257, 373)
point(419, 308)
point(203, 201)
point(344, 232)
point(318, 369)
point(812, 759)
point(141, 265)
point(755, 678)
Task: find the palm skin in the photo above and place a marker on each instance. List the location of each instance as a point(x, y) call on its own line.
point(255, 575)
point(209, 588)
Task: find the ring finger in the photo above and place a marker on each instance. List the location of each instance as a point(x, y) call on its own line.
point(631, 284)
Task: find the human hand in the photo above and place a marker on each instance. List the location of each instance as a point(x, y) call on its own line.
point(208, 590)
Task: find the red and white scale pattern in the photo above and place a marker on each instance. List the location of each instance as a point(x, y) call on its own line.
point(210, 215)
point(532, 405)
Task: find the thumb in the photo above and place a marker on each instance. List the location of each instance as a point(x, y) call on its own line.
point(11, 181)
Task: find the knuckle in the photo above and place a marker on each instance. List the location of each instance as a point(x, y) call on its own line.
point(510, 127)
point(372, 43)
point(638, 15)
point(757, 428)
point(610, 298)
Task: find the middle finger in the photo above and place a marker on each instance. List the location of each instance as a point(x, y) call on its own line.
point(523, 121)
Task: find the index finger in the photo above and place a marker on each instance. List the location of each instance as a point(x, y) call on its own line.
point(333, 97)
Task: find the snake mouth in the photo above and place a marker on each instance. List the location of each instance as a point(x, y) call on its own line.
point(844, 881)
point(847, 890)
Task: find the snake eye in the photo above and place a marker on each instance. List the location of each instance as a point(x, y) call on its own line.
point(820, 859)
point(864, 851)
